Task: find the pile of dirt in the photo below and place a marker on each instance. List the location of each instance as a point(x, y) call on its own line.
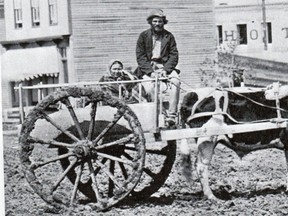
point(254, 185)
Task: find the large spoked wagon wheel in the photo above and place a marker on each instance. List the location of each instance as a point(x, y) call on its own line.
point(102, 159)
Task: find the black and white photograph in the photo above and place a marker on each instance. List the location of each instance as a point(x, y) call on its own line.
point(137, 107)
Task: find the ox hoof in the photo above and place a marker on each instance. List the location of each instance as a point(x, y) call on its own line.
point(214, 199)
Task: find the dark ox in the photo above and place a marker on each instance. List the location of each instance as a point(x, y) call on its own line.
point(216, 107)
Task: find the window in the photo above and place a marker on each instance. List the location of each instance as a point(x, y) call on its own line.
point(220, 35)
point(35, 13)
point(242, 33)
point(53, 20)
point(14, 94)
point(18, 14)
point(268, 32)
point(1, 12)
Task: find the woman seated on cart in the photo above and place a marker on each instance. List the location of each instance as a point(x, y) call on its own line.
point(129, 92)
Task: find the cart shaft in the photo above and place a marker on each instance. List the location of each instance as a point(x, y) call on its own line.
point(221, 130)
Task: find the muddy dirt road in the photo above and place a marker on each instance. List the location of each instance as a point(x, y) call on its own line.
point(254, 185)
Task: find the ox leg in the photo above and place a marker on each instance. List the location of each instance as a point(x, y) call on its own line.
point(186, 160)
point(284, 140)
point(286, 156)
point(204, 157)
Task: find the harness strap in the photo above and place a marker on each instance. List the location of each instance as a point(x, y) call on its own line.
point(199, 115)
point(253, 101)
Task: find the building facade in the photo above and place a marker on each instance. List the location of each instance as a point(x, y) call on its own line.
point(75, 39)
point(35, 42)
point(245, 25)
point(262, 47)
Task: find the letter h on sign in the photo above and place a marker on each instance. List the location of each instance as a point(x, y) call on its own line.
point(229, 35)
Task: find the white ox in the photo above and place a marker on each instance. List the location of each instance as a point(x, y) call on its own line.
point(239, 108)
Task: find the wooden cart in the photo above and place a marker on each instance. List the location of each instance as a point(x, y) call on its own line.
point(105, 151)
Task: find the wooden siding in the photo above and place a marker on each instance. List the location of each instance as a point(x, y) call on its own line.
point(6, 95)
point(105, 30)
point(4, 86)
point(2, 24)
point(2, 30)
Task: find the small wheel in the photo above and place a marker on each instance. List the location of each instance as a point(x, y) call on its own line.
point(159, 161)
point(100, 161)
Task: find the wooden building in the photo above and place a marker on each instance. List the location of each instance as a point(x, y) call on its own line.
point(90, 33)
point(36, 34)
point(109, 30)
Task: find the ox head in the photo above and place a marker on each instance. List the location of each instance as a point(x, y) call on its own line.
point(186, 107)
point(201, 100)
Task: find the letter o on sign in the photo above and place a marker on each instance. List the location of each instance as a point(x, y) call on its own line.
point(253, 34)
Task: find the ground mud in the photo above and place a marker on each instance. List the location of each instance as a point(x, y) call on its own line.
point(254, 185)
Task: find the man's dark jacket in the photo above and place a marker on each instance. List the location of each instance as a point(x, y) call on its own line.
point(168, 57)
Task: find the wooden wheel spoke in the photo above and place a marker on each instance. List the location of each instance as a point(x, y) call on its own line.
point(116, 158)
point(99, 168)
point(50, 120)
point(94, 182)
point(36, 165)
point(121, 141)
point(74, 117)
point(76, 184)
point(108, 173)
point(92, 120)
point(111, 183)
point(150, 151)
point(60, 179)
point(128, 156)
point(149, 172)
point(117, 117)
point(50, 142)
point(123, 170)
point(156, 151)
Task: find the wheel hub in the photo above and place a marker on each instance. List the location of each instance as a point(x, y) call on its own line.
point(84, 149)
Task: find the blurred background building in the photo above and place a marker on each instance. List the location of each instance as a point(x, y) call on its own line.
point(67, 41)
point(262, 49)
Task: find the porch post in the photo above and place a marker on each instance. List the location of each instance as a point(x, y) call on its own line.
point(21, 107)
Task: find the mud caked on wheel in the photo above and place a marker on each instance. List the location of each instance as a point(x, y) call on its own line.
point(71, 158)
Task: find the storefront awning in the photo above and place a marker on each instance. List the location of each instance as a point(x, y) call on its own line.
point(30, 63)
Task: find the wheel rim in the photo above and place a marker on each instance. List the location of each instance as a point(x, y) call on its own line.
point(158, 165)
point(87, 159)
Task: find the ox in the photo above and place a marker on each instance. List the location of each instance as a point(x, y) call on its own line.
point(239, 106)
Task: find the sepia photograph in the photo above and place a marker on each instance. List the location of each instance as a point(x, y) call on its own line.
point(129, 107)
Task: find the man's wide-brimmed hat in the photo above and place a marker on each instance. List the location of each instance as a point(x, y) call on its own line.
point(157, 13)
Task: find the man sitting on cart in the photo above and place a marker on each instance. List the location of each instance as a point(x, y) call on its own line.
point(156, 52)
point(126, 91)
